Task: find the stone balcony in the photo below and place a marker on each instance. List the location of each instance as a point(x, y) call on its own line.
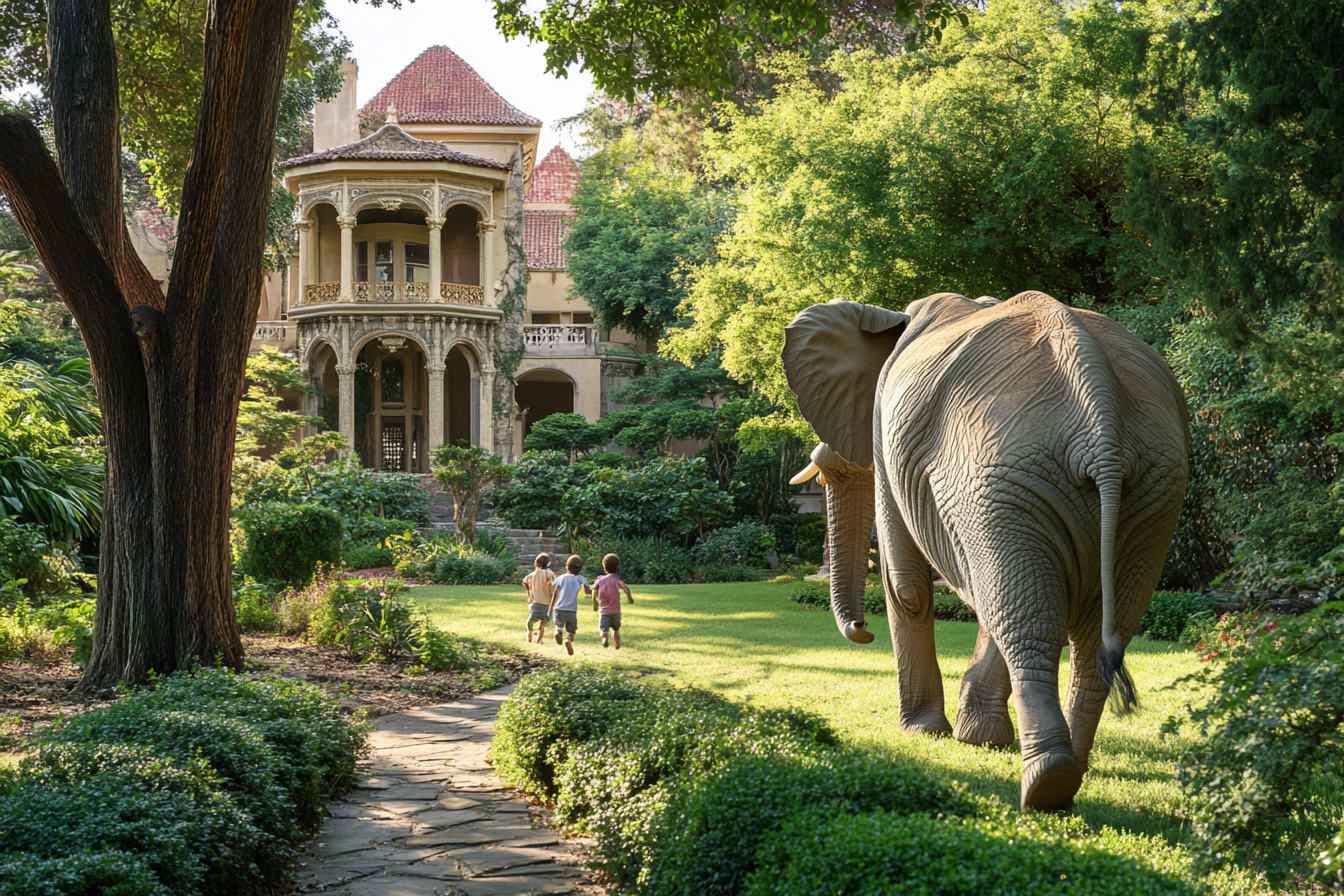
point(560, 340)
point(275, 333)
point(383, 292)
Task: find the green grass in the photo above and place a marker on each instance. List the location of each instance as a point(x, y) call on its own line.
point(752, 644)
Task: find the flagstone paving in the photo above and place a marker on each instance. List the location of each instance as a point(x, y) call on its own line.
point(430, 818)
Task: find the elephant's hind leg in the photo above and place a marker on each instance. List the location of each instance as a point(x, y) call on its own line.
point(982, 712)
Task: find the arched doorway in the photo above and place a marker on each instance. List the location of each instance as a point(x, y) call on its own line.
point(540, 393)
point(391, 388)
point(461, 396)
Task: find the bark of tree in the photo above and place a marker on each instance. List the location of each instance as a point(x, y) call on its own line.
point(168, 368)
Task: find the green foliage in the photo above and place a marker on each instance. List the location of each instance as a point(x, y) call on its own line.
point(367, 555)
point(888, 853)
point(538, 484)
point(286, 542)
point(447, 561)
point(256, 607)
point(570, 433)
point(1170, 613)
point(199, 784)
point(29, 560)
point(261, 423)
point(645, 561)
point(1268, 734)
point(668, 496)
point(376, 621)
point(989, 162)
point(708, 837)
point(1259, 579)
point(946, 604)
point(345, 487)
point(465, 472)
point(1251, 220)
point(746, 544)
point(700, 47)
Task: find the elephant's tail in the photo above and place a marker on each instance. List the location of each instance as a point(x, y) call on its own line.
point(1111, 654)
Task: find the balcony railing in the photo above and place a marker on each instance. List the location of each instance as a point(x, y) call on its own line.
point(270, 331)
point(550, 337)
point(365, 291)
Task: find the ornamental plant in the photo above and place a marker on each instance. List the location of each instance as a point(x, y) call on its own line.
point(465, 472)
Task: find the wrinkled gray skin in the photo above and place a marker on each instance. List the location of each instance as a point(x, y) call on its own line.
point(1035, 456)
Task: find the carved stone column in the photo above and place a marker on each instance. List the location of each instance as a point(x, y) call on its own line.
point(304, 227)
point(486, 231)
point(347, 223)
point(345, 386)
point(435, 226)
point(436, 370)
point(487, 408)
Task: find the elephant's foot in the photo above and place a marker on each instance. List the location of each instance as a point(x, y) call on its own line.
point(1050, 783)
point(932, 722)
point(979, 728)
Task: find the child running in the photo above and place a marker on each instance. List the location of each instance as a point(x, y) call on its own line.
point(565, 600)
point(607, 599)
point(538, 584)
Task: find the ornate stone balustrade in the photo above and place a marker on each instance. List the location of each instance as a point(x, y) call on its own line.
point(461, 294)
point(321, 293)
point(269, 330)
point(555, 336)
point(364, 291)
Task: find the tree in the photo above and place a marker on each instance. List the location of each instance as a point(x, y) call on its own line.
point(466, 472)
point(701, 47)
point(169, 369)
point(1253, 220)
point(571, 433)
point(988, 163)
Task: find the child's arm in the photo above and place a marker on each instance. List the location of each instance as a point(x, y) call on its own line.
point(628, 596)
point(527, 587)
point(555, 592)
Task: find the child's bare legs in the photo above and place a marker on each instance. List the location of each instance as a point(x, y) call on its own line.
point(616, 636)
point(541, 631)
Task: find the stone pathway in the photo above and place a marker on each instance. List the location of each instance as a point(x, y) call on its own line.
point(430, 818)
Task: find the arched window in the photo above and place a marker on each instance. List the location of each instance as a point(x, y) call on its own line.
point(394, 381)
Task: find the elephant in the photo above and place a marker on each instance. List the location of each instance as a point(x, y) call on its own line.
point(1033, 455)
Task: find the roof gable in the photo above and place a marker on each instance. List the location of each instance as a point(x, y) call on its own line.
point(555, 179)
point(439, 87)
point(391, 143)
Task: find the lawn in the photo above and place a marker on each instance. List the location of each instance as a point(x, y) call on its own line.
point(752, 644)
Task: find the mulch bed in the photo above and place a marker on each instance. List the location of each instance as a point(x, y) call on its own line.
point(37, 692)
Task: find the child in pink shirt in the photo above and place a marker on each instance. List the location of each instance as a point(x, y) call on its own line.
point(607, 599)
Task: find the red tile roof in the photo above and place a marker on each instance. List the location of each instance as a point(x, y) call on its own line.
point(391, 143)
point(555, 179)
point(544, 238)
point(440, 88)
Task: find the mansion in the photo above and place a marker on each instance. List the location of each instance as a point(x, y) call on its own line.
point(428, 301)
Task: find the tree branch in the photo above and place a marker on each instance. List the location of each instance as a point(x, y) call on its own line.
point(227, 46)
point(83, 69)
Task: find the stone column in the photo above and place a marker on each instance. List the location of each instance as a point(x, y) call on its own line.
point(304, 227)
point(347, 223)
point(487, 409)
point(436, 370)
point(486, 231)
point(435, 226)
point(345, 378)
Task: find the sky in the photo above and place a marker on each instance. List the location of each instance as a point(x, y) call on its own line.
point(385, 40)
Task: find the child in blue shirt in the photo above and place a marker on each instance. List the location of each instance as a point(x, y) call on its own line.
point(565, 600)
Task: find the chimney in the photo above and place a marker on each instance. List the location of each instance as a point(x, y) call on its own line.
point(336, 121)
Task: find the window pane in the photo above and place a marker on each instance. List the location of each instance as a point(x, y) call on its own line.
point(383, 261)
point(582, 317)
point(539, 317)
point(417, 263)
point(362, 262)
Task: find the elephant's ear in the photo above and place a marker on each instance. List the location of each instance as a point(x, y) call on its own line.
point(833, 355)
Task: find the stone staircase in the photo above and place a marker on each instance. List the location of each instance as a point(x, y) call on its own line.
point(526, 544)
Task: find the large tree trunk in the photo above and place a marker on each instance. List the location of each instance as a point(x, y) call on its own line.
point(168, 369)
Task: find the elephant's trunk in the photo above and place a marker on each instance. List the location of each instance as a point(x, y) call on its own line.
point(849, 514)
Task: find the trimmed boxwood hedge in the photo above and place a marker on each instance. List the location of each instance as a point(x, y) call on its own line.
point(201, 783)
point(688, 794)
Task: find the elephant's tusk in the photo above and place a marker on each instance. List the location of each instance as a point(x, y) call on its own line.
point(805, 474)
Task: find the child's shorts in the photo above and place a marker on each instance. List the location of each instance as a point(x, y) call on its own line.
point(568, 620)
point(536, 612)
point(609, 621)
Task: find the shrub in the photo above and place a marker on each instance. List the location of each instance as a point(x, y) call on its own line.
point(367, 556)
point(286, 542)
point(734, 573)
point(349, 490)
point(472, 568)
point(1270, 732)
point(276, 750)
point(785, 526)
point(1170, 613)
point(946, 605)
point(256, 607)
point(375, 529)
point(186, 832)
point(881, 853)
point(706, 840)
point(810, 537)
point(23, 633)
point(535, 736)
point(746, 544)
